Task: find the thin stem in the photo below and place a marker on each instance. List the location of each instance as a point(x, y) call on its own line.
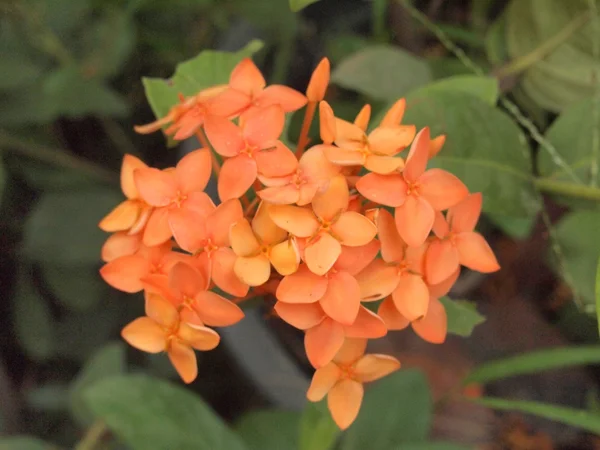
point(250, 208)
point(92, 437)
point(568, 189)
point(308, 118)
point(378, 20)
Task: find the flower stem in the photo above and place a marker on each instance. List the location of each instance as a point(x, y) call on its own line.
point(308, 118)
point(568, 189)
point(92, 436)
point(252, 205)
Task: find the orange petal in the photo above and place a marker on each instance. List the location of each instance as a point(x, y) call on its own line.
point(326, 123)
point(303, 286)
point(391, 316)
point(384, 164)
point(276, 160)
point(414, 220)
point(436, 145)
point(441, 261)
point(246, 77)
point(252, 270)
point(441, 289)
point(354, 259)
point(145, 334)
point(322, 382)
point(394, 115)
point(188, 228)
point(199, 337)
point(315, 92)
point(243, 241)
point(368, 325)
point(280, 195)
point(130, 163)
point(193, 171)
point(349, 135)
point(157, 229)
point(440, 225)
point(198, 202)
point(323, 341)
point(374, 367)
point(228, 103)
point(416, 161)
point(183, 359)
point(442, 189)
point(286, 97)
point(236, 177)
point(391, 140)
point(475, 253)
point(377, 280)
point(187, 280)
point(363, 117)
point(333, 201)
point(120, 244)
point(217, 311)
point(344, 157)
point(156, 187)
point(220, 221)
point(464, 215)
point(160, 310)
point(301, 316)
point(392, 245)
point(285, 257)
point(434, 326)
point(316, 166)
point(342, 298)
point(344, 401)
point(300, 222)
point(354, 229)
point(125, 273)
point(123, 217)
point(264, 125)
point(223, 275)
point(411, 296)
point(322, 253)
point(351, 351)
point(225, 137)
point(263, 226)
point(388, 190)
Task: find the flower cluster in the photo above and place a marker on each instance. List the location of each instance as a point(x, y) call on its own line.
point(327, 230)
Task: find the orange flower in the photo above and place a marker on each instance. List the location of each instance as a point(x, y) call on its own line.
point(328, 225)
point(188, 116)
point(374, 151)
point(121, 244)
point(187, 289)
point(342, 379)
point(312, 173)
point(162, 331)
point(458, 244)
point(415, 193)
point(259, 245)
point(251, 148)
point(399, 272)
point(132, 214)
point(247, 79)
point(327, 129)
point(317, 86)
point(176, 195)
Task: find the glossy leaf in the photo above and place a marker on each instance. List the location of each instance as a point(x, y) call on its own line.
point(385, 422)
point(318, 431)
point(382, 72)
point(462, 316)
point(146, 413)
point(534, 362)
point(484, 88)
point(269, 430)
point(297, 5)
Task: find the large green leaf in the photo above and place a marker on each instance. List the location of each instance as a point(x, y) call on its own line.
point(297, 5)
point(484, 88)
point(269, 430)
point(462, 316)
point(17, 70)
point(63, 227)
point(484, 148)
point(575, 235)
point(534, 362)
point(382, 72)
point(24, 443)
point(147, 413)
point(318, 431)
point(397, 410)
point(574, 417)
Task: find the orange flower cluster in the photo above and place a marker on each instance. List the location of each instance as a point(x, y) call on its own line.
point(325, 230)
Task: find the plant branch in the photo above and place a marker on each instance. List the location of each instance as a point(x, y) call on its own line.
point(573, 190)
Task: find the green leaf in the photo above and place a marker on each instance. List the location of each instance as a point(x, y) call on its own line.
point(574, 233)
point(51, 397)
point(484, 88)
point(534, 362)
point(269, 430)
point(484, 148)
point(431, 446)
point(149, 413)
point(462, 316)
point(106, 362)
point(574, 417)
point(339, 46)
point(17, 70)
point(395, 410)
point(318, 431)
point(24, 443)
point(63, 227)
point(382, 72)
point(297, 5)
point(76, 287)
point(516, 227)
point(597, 292)
point(33, 321)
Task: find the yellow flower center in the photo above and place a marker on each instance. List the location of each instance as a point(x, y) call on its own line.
point(179, 199)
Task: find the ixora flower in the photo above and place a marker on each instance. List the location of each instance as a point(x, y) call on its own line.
point(309, 227)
